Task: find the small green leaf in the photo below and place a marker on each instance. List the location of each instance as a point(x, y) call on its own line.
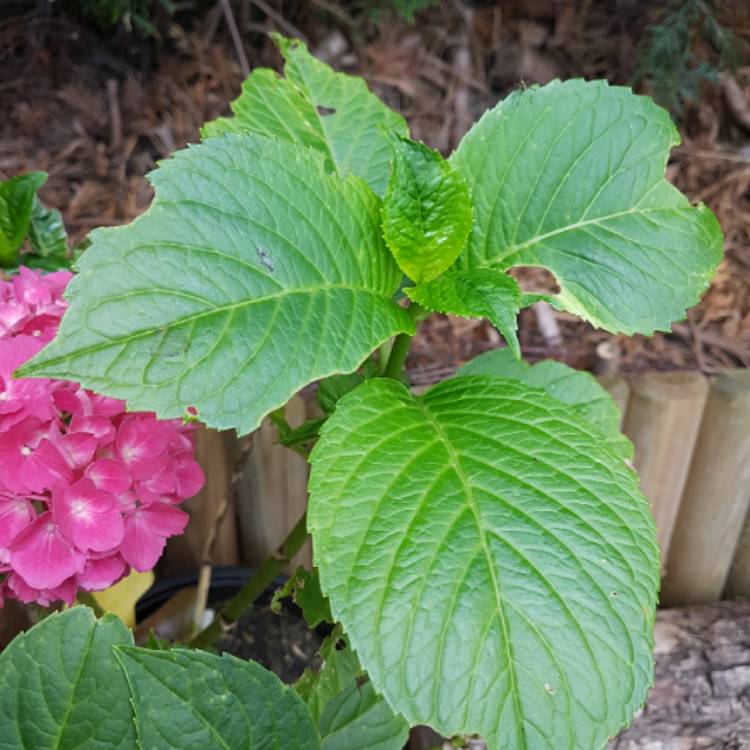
point(303, 588)
point(314, 106)
point(360, 718)
point(48, 239)
point(332, 389)
point(339, 669)
point(570, 177)
point(426, 211)
point(60, 686)
point(350, 714)
point(574, 387)
point(475, 293)
point(493, 564)
point(16, 200)
point(193, 699)
point(253, 273)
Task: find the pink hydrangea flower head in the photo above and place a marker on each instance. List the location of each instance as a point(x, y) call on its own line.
point(87, 490)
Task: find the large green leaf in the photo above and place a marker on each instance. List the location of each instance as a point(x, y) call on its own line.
point(60, 686)
point(16, 199)
point(426, 211)
point(191, 699)
point(317, 107)
point(253, 273)
point(475, 293)
point(350, 714)
point(571, 177)
point(492, 562)
point(574, 387)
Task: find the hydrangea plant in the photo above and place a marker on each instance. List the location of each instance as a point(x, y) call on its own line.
point(483, 554)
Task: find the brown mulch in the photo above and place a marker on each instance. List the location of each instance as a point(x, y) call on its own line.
point(98, 118)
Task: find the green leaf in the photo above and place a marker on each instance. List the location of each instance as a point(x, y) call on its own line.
point(579, 389)
point(192, 699)
point(49, 241)
point(317, 107)
point(60, 686)
point(350, 714)
point(16, 198)
point(493, 564)
point(426, 211)
point(359, 717)
point(303, 587)
point(338, 670)
point(252, 274)
point(332, 389)
point(570, 177)
point(475, 293)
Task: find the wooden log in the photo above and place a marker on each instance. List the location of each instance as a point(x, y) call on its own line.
point(215, 503)
point(272, 494)
point(662, 419)
point(738, 579)
point(715, 502)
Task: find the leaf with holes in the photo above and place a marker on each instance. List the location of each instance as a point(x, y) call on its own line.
point(574, 387)
point(475, 293)
point(60, 686)
point(493, 564)
point(317, 107)
point(570, 177)
point(253, 273)
point(426, 211)
point(187, 698)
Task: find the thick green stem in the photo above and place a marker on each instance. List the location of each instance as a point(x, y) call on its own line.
point(255, 586)
point(401, 346)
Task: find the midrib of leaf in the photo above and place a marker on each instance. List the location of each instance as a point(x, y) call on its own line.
point(513, 249)
point(471, 501)
point(216, 310)
point(76, 680)
point(319, 119)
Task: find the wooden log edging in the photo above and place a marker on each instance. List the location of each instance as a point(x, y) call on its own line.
point(662, 419)
point(715, 501)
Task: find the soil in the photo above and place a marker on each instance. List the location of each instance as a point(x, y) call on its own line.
point(280, 642)
point(97, 111)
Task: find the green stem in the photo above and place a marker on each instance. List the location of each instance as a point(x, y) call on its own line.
point(255, 586)
point(401, 345)
point(87, 598)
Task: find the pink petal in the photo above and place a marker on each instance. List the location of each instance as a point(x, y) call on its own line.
point(42, 557)
point(66, 591)
point(146, 531)
point(188, 475)
point(102, 573)
point(43, 467)
point(76, 448)
point(141, 443)
point(110, 475)
point(89, 518)
point(16, 513)
point(141, 547)
point(101, 427)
